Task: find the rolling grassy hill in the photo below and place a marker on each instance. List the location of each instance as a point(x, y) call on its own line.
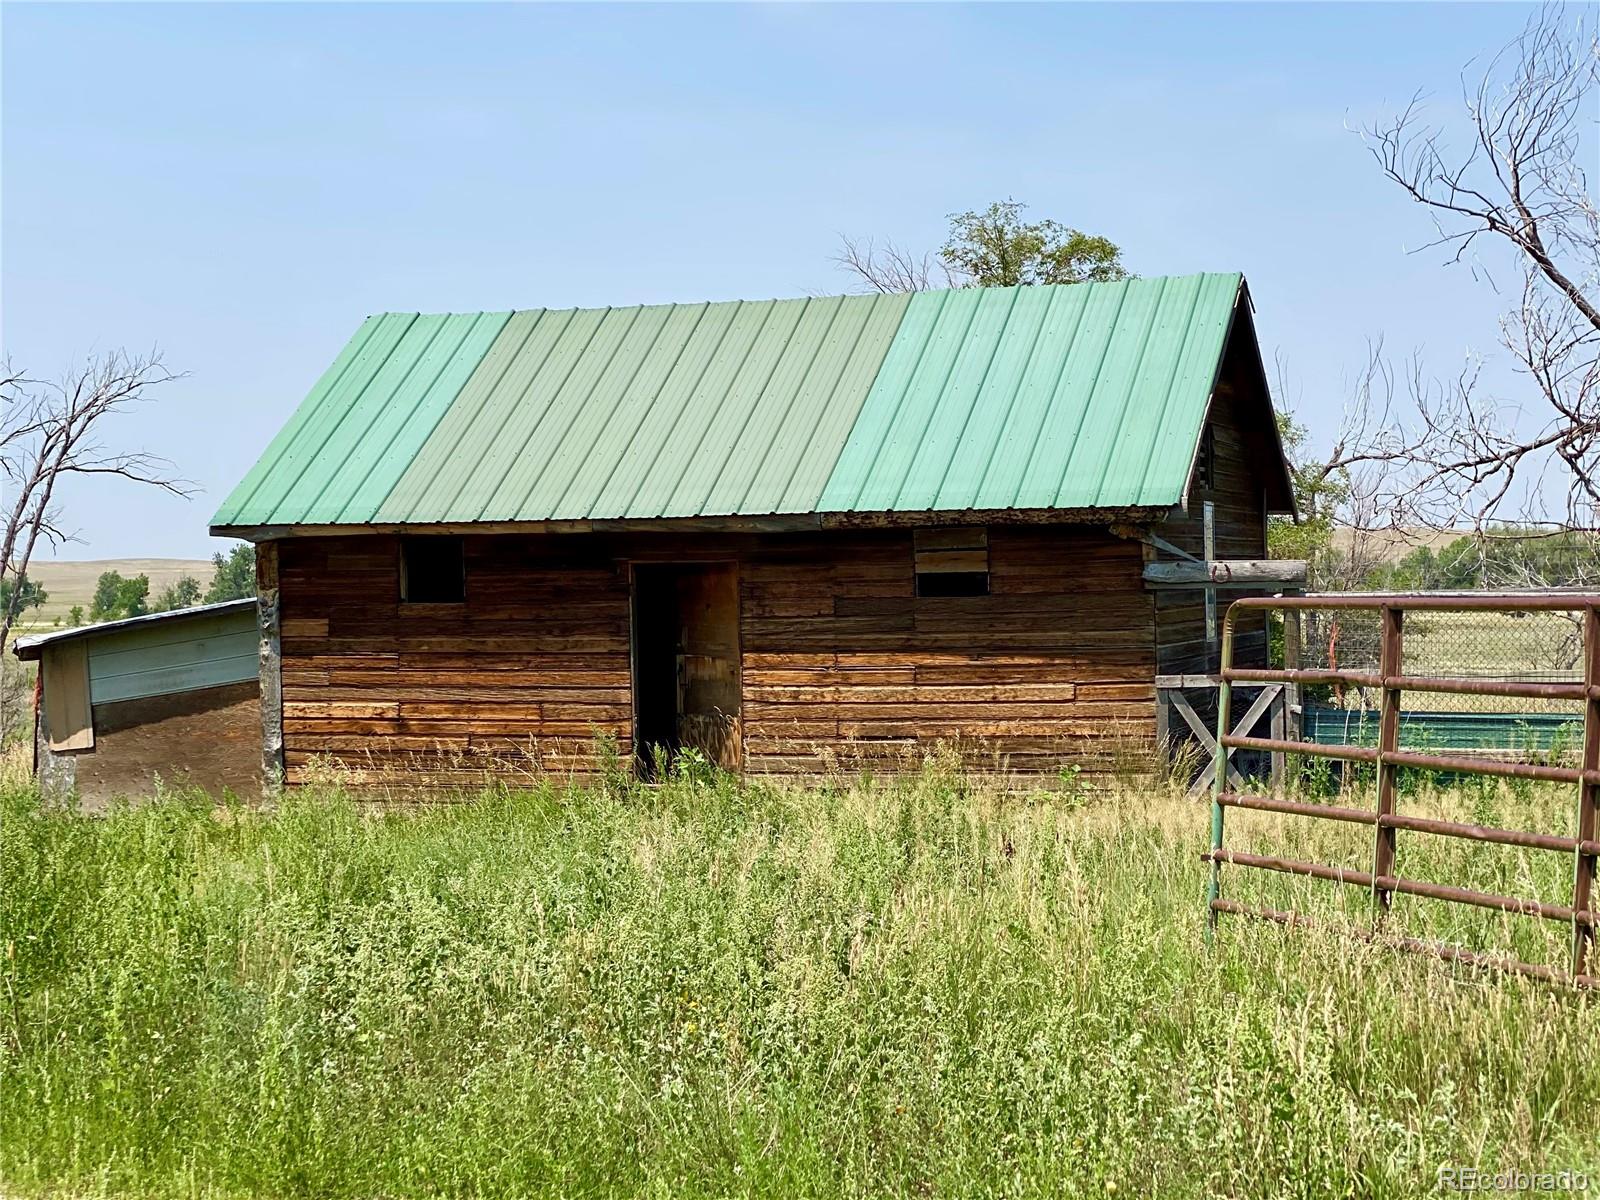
point(70, 583)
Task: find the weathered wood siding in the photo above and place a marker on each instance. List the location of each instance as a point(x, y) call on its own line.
point(528, 670)
point(841, 662)
point(844, 664)
point(1242, 446)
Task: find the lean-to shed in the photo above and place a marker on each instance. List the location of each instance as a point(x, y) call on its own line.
point(789, 534)
point(169, 696)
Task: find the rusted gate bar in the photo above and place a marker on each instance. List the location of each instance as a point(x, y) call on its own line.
point(1584, 854)
point(1477, 833)
point(1425, 683)
point(1387, 756)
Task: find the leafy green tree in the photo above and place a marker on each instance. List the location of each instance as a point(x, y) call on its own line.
point(185, 593)
point(135, 596)
point(116, 597)
point(75, 615)
point(997, 248)
point(1319, 490)
point(26, 593)
point(107, 592)
point(1458, 565)
point(992, 248)
point(233, 576)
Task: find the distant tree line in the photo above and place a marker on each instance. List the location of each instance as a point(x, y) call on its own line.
point(116, 596)
point(1504, 558)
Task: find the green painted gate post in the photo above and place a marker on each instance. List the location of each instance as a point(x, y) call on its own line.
point(1220, 779)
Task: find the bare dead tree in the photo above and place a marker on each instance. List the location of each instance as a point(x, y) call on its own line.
point(50, 431)
point(1345, 489)
point(1476, 460)
point(889, 268)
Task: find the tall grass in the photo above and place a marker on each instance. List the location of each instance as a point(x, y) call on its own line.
point(707, 989)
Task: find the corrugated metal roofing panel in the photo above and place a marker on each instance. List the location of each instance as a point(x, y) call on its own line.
point(1172, 449)
point(587, 456)
point(674, 410)
point(346, 447)
point(513, 410)
point(158, 658)
point(29, 648)
point(385, 440)
point(966, 436)
point(729, 466)
point(700, 448)
point(242, 506)
point(1079, 396)
point(451, 454)
point(1087, 396)
point(669, 441)
point(829, 400)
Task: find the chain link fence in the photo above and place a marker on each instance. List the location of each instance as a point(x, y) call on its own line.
point(1523, 647)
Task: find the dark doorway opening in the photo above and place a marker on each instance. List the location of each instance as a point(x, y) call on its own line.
point(655, 663)
point(686, 662)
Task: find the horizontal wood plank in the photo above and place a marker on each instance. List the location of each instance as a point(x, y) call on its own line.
point(841, 662)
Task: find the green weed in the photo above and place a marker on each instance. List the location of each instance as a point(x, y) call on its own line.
point(885, 986)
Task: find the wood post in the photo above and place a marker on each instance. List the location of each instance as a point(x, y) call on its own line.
point(1279, 732)
point(1246, 574)
point(1164, 723)
point(271, 667)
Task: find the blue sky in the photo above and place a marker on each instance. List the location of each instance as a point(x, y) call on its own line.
point(241, 185)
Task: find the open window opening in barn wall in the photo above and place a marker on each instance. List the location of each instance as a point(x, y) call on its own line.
point(952, 561)
point(686, 668)
point(433, 570)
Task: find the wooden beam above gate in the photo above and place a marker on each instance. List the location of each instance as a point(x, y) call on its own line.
point(1257, 574)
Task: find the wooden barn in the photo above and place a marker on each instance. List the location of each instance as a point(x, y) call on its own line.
point(793, 535)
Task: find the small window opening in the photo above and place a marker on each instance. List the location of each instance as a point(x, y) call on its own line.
point(952, 561)
point(1205, 471)
point(954, 583)
point(432, 570)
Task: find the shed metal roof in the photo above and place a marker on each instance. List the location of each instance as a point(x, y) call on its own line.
point(30, 647)
point(1060, 397)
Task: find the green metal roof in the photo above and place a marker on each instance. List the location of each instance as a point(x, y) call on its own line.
point(1062, 397)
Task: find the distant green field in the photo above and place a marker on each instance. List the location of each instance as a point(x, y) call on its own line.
point(1537, 646)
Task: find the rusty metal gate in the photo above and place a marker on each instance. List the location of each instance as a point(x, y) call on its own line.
point(1389, 681)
